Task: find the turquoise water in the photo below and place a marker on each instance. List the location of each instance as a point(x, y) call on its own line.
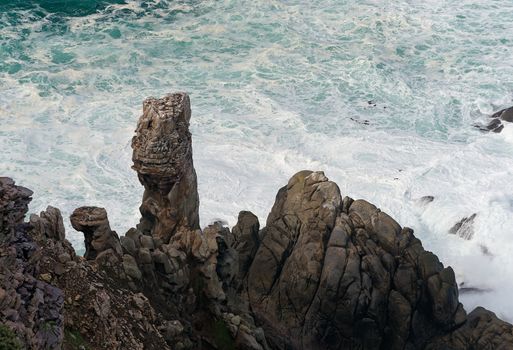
point(382, 96)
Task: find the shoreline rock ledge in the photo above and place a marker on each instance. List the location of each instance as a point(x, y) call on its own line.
point(326, 271)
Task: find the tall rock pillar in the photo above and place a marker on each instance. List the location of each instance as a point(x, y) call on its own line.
point(162, 156)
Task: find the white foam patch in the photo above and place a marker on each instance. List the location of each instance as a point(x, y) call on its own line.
point(381, 96)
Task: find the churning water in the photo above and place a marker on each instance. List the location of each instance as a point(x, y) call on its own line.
point(380, 95)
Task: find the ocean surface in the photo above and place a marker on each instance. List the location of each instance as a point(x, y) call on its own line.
point(380, 95)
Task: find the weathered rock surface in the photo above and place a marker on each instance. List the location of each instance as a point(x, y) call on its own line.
point(49, 224)
point(30, 306)
point(13, 206)
point(163, 160)
point(99, 237)
point(483, 330)
point(327, 272)
point(246, 240)
point(329, 278)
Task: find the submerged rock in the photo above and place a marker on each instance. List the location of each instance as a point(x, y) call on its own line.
point(464, 228)
point(473, 290)
point(426, 200)
point(505, 115)
point(496, 123)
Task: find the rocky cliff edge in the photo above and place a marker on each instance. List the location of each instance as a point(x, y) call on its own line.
point(326, 271)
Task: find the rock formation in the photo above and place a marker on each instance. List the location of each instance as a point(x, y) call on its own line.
point(326, 272)
point(93, 222)
point(13, 206)
point(30, 307)
point(246, 239)
point(163, 160)
point(49, 224)
point(333, 273)
point(464, 228)
point(496, 120)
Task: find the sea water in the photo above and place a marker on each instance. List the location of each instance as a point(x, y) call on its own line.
point(382, 96)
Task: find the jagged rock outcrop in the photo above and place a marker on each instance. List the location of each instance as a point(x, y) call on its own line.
point(98, 236)
point(327, 271)
point(53, 299)
point(163, 160)
point(496, 120)
point(334, 273)
point(49, 224)
point(246, 240)
point(29, 306)
point(14, 202)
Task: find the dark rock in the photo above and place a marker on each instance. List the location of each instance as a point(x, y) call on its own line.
point(227, 261)
point(362, 122)
point(134, 234)
point(464, 228)
point(173, 329)
point(13, 205)
point(246, 240)
point(426, 200)
point(505, 115)
point(483, 330)
point(147, 242)
point(496, 124)
point(128, 245)
point(145, 256)
point(31, 308)
point(473, 290)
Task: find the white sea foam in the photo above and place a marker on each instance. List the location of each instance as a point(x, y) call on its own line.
point(277, 87)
